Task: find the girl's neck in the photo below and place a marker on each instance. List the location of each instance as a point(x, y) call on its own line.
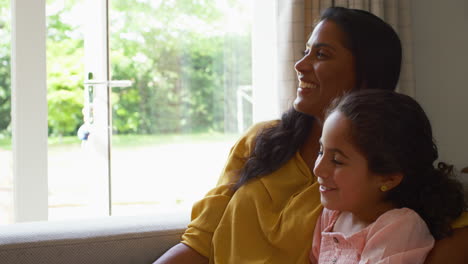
point(349, 223)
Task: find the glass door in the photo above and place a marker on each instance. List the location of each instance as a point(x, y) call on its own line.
point(190, 64)
point(78, 169)
point(78, 100)
point(146, 99)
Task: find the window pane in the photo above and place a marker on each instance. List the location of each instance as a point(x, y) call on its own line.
point(190, 63)
point(72, 188)
point(6, 161)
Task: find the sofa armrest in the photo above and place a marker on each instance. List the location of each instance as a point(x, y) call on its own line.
point(117, 239)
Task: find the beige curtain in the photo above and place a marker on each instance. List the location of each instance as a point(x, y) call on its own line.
point(296, 19)
point(291, 44)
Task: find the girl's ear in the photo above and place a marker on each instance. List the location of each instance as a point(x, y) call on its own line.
point(391, 181)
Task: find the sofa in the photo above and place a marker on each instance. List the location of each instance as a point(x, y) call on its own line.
point(116, 239)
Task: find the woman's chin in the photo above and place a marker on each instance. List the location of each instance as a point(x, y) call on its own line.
point(299, 104)
point(303, 107)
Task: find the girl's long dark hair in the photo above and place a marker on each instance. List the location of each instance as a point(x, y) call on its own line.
point(377, 51)
point(394, 134)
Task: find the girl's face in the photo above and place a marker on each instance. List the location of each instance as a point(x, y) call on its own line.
point(326, 71)
point(346, 184)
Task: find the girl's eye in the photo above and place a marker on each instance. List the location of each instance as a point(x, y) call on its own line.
point(320, 152)
point(337, 162)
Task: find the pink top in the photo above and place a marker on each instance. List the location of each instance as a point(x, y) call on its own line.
point(398, 236)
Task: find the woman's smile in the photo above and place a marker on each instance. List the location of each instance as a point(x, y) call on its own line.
point(306, 88)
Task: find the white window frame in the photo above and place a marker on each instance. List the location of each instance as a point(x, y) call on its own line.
point(265, 90)
point(29, 110)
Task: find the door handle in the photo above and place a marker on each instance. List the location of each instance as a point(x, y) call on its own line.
point(122, 83)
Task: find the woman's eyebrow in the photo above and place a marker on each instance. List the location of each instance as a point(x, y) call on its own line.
point(319, 45)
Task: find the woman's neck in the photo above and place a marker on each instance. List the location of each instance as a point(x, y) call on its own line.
point(311, 147)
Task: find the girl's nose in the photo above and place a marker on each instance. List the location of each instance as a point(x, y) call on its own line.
point(320, 167)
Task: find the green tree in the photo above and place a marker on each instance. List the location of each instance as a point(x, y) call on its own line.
point(5, 66)
point(185, 68)
point(180, 60)
point(64, 73)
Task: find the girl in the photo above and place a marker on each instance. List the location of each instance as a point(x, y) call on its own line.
point(384, 200)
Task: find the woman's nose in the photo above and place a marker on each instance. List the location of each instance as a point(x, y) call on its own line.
point(301, 64)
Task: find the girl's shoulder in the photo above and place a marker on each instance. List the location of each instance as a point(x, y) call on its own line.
point(398, 213)
point(396, 218)
point(399, 235)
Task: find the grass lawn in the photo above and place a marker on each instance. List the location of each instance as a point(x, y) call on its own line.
point(135, 140)
point(149, 173)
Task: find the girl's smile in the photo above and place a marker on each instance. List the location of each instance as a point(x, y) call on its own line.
point(324, 188)
point(346, 183)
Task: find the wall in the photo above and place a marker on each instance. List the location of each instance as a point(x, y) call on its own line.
point(440, 50)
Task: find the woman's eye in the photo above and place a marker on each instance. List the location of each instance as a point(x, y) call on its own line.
point(321, 54)
point(320, 153)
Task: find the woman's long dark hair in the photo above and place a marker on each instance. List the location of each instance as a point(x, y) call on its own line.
point(394, 134)
point(377, 52)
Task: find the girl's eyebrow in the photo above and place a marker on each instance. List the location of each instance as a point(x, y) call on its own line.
point(334, 149)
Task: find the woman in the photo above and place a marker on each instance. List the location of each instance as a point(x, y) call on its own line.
point(266, 203)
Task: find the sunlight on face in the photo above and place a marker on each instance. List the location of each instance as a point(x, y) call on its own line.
point(326, 71)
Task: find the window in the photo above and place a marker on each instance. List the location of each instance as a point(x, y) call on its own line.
point(161, 102)
point(134, 114)
point(189, 97)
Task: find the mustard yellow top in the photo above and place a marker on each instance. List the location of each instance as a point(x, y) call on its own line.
point(268, 220)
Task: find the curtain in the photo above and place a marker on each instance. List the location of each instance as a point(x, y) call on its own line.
point(296, 19)
point(291, 44)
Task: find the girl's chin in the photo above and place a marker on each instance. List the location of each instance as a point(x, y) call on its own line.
point(330, 206)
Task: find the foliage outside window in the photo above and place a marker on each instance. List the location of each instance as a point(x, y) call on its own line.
point(184, 66)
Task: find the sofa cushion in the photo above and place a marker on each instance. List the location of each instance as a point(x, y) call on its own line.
point(117, 239)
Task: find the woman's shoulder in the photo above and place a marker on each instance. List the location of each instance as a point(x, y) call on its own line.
point(247, 140)
point(259, 126)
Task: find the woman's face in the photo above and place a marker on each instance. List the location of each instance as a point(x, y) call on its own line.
point(325, 72)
